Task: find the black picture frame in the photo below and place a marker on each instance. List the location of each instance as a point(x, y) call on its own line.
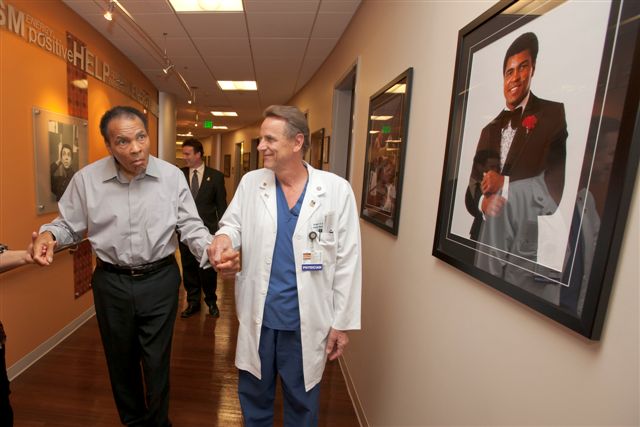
point(388, 124)
point(511, 250)
point(246, 162)
point(326, 148)
point(316, 141)
point(226, 165)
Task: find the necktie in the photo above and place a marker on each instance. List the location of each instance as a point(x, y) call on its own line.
point(514, 117)
point(195, 186)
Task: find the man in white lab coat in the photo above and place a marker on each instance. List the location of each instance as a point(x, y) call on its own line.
point(299, 287)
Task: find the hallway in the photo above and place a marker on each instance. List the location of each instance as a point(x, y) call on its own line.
point(69, 387)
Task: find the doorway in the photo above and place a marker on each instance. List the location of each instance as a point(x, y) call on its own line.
point(343, 104)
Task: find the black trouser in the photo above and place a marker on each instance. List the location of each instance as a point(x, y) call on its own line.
point(6, 413)
point(136, 317)
point(195, 278)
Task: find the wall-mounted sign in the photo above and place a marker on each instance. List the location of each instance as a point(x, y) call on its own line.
point(34, 31)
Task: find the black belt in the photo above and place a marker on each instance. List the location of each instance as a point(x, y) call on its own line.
point(138, 270)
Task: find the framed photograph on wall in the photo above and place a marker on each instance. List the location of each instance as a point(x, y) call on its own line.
point(226, 165)
point(60, 146)
point(246, 162)
point(540, 165)
point(325, 149)
point(386, 150)
point(316, 148)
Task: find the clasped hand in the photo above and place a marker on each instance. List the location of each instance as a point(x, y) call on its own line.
point(224, 259)
point(492, 182)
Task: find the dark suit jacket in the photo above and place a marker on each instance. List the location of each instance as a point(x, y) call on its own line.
point(211, 199)
point(532, 152)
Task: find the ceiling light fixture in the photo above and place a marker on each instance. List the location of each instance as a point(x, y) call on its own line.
point(237, 85)
point(108, 15)
point(192, 100)
point(224, 113)
point(168, 65)
point(207, 5)
point(167, 68)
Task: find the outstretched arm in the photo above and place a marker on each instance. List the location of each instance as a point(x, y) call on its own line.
point(10, 259)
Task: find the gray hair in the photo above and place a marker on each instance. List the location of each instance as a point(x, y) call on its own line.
point(296, 122)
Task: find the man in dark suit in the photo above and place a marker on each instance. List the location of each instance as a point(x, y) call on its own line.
point(523, 141)
point(207, 187)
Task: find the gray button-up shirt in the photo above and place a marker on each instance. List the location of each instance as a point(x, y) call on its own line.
point(130, 223)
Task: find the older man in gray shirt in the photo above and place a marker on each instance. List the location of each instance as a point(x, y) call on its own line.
point(130, 205)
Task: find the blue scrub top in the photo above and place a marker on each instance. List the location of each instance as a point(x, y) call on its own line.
point(281, 307)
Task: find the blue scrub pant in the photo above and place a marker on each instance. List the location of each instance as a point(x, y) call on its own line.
point(280, 354)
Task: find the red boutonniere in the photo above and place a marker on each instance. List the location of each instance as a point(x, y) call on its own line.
point(530, 122)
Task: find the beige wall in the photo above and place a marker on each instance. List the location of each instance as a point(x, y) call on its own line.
point(437, 347)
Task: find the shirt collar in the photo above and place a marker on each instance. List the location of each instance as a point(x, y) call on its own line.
point(110, 168)
point(200, 170)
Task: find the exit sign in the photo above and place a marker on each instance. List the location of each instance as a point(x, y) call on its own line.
point(208, 124)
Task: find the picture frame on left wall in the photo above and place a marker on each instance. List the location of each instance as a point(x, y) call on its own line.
point(60, 147)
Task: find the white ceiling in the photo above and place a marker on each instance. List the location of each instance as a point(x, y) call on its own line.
point(278, 43)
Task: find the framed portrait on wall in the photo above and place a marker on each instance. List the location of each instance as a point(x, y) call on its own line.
point(386, 151)
point(226, 165)
point(325, 149)
point(60, 146)
point(316, 148)
point(539, 164)
point(246, 162)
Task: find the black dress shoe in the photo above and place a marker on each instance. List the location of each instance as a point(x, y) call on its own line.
point(190, 310)
point(213, 310)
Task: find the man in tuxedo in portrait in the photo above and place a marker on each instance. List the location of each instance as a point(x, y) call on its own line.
point(207, 188)
point(526, 139)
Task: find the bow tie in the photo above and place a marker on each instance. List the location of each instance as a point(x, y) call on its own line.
point(514, 117)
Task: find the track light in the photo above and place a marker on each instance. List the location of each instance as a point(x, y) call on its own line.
point(108, 15)
point(167, 68)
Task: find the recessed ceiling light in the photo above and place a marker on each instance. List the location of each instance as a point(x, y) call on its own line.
point(381, 117)
point(225, 113)
point(207, 5)
point(219, 127)
point(237, 85)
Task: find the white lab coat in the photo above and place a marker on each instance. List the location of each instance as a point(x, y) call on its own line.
point(327, 298)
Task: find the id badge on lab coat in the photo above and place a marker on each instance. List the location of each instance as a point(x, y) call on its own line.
point(312, 258)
